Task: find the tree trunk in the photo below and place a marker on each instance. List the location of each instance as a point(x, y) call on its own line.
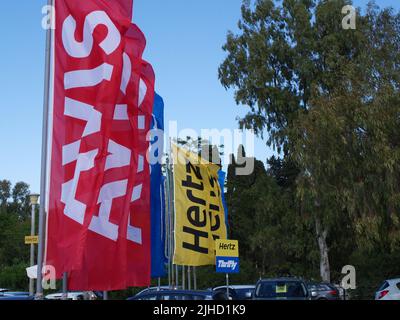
point(324, 251)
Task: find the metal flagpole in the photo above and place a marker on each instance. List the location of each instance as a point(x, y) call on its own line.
point(177, 275)
point(227, 286)
point(33, 201)
point(171, 224)
point(46, 107)
point(194, 278)
point(189, 278)
point(65, 286)
point(32, 257)
point(168, 222)
point(183, 278)
point(171, 214)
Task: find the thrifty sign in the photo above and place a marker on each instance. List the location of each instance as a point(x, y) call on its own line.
point(227, 256)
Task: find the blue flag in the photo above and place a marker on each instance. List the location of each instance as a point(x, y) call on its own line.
point(158, 232)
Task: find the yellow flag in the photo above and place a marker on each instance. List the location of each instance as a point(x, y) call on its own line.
point(199, 211)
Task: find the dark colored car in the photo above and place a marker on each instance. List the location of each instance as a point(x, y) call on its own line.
point(20, 297)
point(156, 289)
point(237, 292)
point(323, 291)
point(14, 294)
point(281, 289)
point(173, 295)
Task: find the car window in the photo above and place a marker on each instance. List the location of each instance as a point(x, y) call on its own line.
point(169, 297)
point(149, 297)
point(384, 286)
point(186, 297)
point(219, 295)
point(174, 297)
point(232, 293)
point(243, 294)
point(281, 289)
point(398, 285)
point(324, 287)
point(201, 297)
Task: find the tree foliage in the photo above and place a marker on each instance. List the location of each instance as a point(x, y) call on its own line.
point(14, 226)
point(328, 100)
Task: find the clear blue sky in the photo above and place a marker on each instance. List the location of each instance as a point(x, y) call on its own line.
point(184, 40)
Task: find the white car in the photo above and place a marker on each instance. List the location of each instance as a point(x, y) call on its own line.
point(237, 292)
point(389, 290)
point(73, 296)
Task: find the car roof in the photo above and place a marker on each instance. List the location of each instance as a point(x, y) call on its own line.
point(17, 297)
point(242, 286)
point(15, 293)
point(201, 292)
point(281, 279)
point(188, 291)
point(312, 283)
point(390, 281)
point(70, 294)
point(166, 292)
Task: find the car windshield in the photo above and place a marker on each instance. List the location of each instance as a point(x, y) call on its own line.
point(187, 296)
point(242, 294)
point(326, 287)
point(384, 285)
point(280, 289)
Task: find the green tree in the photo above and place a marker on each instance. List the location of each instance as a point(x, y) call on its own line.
point(20, 199)
point(329, 100)
point(5, 193)
point(14, 226)
point(273, 237)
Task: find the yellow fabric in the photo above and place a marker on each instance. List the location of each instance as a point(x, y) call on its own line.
point(199, 211)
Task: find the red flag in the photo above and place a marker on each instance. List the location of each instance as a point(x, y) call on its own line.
point(139, 255)
point(103, 97)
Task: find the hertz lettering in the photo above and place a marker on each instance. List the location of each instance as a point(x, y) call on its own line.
point(199, 210)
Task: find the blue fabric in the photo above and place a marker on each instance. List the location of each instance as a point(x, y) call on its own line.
point(221, 180)
point(158, 258)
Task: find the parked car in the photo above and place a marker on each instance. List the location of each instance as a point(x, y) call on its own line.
point(13, 298)
point(73, 296)
point(389, 290)
point(281, 289)
point(237, 292)
point(155, 289)
point(8, 293)
point(323, 291)
point(167, 295)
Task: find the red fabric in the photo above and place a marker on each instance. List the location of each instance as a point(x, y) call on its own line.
point(89, 252)
point(139, 256)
